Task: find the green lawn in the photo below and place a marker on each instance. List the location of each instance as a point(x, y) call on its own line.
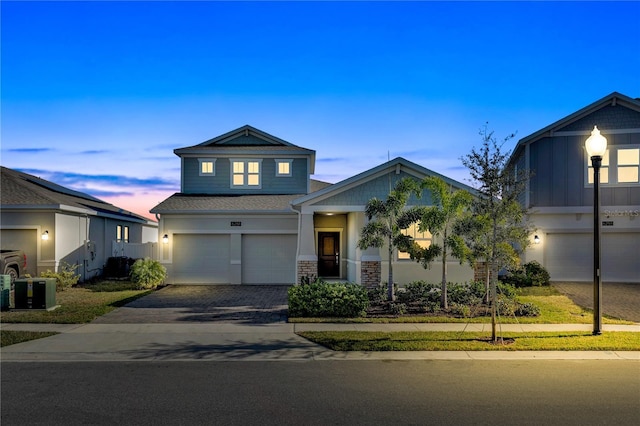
point(79, 305)
point(8, 337)
point(473, 341)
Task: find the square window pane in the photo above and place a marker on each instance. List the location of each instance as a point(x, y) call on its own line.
point(254, 180)
point(253, 166)
point(604, 175)
point(605, 159)
point(238, 179)
point(207, 167)
point(238, 167)
point(628, 174)
point(283, 168)
point(629, 157)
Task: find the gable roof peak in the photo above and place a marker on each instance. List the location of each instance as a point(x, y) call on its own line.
point(235, 137)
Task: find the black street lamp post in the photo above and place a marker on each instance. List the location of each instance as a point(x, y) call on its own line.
point(596, 146)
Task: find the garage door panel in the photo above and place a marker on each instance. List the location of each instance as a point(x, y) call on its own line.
point(200, 259)
point(569, 257)
point(268, 259)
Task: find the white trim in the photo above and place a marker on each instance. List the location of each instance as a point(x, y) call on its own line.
point(206, 160)
point(245, 173)
point(284, 161)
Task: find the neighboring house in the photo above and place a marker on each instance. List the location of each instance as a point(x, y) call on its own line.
point(249, 213)
point(560, 194)
point(54, 224)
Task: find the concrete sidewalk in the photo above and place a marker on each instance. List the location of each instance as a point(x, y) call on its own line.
point(258, 342)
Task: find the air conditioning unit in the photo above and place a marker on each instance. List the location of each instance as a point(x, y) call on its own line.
point(35, 293)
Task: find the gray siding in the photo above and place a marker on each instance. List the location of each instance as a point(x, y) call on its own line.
point(558, 165)
point(609, 117)
point(220, 184)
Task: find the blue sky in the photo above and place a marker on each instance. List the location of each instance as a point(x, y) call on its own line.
point(97, 95)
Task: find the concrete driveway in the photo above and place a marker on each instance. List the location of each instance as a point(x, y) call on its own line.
point(180, 304)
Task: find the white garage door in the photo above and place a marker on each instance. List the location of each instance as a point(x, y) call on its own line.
point(200, 259)
point(268, 259)
point(569, 257)
point(25, 240)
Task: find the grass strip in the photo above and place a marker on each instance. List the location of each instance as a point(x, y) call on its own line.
point(473, 341)
point(10, 337)
point(80, 305)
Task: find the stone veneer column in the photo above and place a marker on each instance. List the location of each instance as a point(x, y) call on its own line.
point(370, 270)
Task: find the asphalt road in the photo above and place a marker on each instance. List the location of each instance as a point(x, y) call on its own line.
point(534, 392)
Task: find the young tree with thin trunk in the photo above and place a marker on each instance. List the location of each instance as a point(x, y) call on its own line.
point(498, 230)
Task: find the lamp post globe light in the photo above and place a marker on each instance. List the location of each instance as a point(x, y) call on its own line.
point(596, 146)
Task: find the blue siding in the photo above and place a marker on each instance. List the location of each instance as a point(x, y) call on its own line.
point(221, 183)
point(379, 188)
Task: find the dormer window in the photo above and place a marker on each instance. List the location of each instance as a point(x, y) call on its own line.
point(283, 168)
point(245, 174)
point(207, 166)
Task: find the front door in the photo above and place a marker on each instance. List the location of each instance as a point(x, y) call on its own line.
point(329, 254)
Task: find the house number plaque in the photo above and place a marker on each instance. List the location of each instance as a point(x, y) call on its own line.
point(236, 223)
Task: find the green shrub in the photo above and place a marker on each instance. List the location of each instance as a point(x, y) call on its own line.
point(460, 310)
point(527, 310)
point(65, 277)
point(147, 273)
point(322, 299)
point(537, 274)
point(420, 292)
point(528, 275)
point(465, 294)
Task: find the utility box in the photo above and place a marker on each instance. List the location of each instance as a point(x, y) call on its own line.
point(5, 292)
point(35, 293)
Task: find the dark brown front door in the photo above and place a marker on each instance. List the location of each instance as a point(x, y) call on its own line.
point(329, 254)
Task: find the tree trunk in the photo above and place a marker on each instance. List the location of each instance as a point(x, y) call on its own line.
point(444, 303)
point(390, 295)
point(494, 287)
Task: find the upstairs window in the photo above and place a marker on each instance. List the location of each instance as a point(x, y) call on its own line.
point(207, 166)
point(245, 173)
point(628, 164)
point(620, 166)
point(283, 167)
point(423, 239)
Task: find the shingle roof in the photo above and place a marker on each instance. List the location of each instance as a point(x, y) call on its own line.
point(22, 190)
point(202, 203)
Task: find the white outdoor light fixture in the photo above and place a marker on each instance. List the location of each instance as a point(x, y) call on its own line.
point(536, 240)
point(165, 239)
point(45, 235)
point(596, 146)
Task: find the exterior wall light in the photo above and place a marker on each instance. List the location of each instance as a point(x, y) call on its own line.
point(596, 146)
point(165, 239)
point(536, 240)
point(45, 236)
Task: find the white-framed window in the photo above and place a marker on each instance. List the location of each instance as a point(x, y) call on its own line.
point(283, 168)
point(207, 166)
point(423, 239)
point(628, 165)
point(246, 173)
point(620, 166)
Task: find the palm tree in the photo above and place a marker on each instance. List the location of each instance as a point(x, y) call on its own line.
point(448, 208)
point(383, 226)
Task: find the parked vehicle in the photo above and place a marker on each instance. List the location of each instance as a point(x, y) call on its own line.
point(13, 263)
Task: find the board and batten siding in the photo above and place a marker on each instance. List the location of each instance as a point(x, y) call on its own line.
point(558, 165)
point(220, 183)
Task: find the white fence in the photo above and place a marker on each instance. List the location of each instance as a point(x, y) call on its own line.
point(134, 251)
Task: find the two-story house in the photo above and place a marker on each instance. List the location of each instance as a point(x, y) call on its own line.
point(249, 213)
point(560, 194)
